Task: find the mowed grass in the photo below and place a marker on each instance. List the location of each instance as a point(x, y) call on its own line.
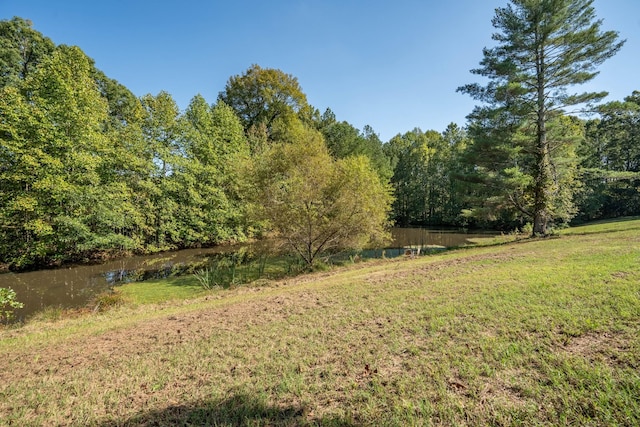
point(534, 332)
point(256, 272)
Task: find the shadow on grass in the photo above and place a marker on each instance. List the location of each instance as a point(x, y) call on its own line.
point(237, 410)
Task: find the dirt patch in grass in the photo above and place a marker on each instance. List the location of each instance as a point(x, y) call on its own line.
point(153, 335)
point(606, 347)
point(508, 386)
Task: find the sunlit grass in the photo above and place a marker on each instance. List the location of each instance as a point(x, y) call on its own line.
point(161, 290)
point(534, 332)
point(605, 226)
point(259, 271)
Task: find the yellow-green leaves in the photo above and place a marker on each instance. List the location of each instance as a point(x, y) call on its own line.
point(263, 96)
point(315, 203)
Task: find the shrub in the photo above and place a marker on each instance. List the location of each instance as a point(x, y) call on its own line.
point(8, 303)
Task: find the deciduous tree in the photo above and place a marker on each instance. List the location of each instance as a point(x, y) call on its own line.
point(215, 149)
point(261, 96)
point(315, 203)
point(611, 161)
point(21, 50)
point(423, 176)
point(344, 140)
point(53, 148)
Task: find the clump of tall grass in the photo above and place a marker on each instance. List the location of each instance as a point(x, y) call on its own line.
point(207, 277)
point(107, 300)
point(232, 269)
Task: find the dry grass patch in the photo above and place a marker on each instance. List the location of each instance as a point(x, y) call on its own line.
point(610, 348)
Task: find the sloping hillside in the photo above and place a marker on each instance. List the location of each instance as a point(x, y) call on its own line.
point(530, 332)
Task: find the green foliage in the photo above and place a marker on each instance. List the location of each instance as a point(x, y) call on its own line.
point(544, 49)
point(501, 172)
point(424, 177)
point(88, 169)
point(215, 147)
point(8, 303)
point(315, 203)
point(53, 145)
point(344, 140)
point(262, 96)
point(22, 49)
point(194, 183)
point(611, 161)
point(207, 278)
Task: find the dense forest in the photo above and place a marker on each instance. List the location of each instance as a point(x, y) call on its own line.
point(89, 170)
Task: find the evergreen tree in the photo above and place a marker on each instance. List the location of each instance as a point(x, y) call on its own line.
point(545, 47)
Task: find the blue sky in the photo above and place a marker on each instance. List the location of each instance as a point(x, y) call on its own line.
point(394, 65)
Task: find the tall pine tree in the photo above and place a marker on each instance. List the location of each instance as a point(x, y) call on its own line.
point(545, 47)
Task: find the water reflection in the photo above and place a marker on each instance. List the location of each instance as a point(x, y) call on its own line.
point(75, 286)
point(403, 237)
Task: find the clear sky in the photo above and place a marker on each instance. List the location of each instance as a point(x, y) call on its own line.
point(394, 65)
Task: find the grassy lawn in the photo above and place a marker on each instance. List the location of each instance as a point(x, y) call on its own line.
point(532, 332)
point(255, 272)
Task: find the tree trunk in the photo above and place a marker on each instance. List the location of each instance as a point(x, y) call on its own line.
point(542, 180)
point(542, 172)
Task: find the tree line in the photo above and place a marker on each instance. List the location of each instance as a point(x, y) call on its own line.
point(89, 170)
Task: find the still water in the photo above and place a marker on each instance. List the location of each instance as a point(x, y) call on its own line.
point(75, 286)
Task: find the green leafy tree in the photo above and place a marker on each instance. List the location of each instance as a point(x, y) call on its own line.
point(456, 140)
point(216, 148)
point(22, 49)
point(87, 168)
point(162, 133)
point(545, 47)
point(8, 303)
point(611, 161)
point(53, 146)
point(619, 130)
point(344, 140)
point(423, 176)
point(127, 165)
point(411, 154)
point(263, 96)
point(317, 204)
